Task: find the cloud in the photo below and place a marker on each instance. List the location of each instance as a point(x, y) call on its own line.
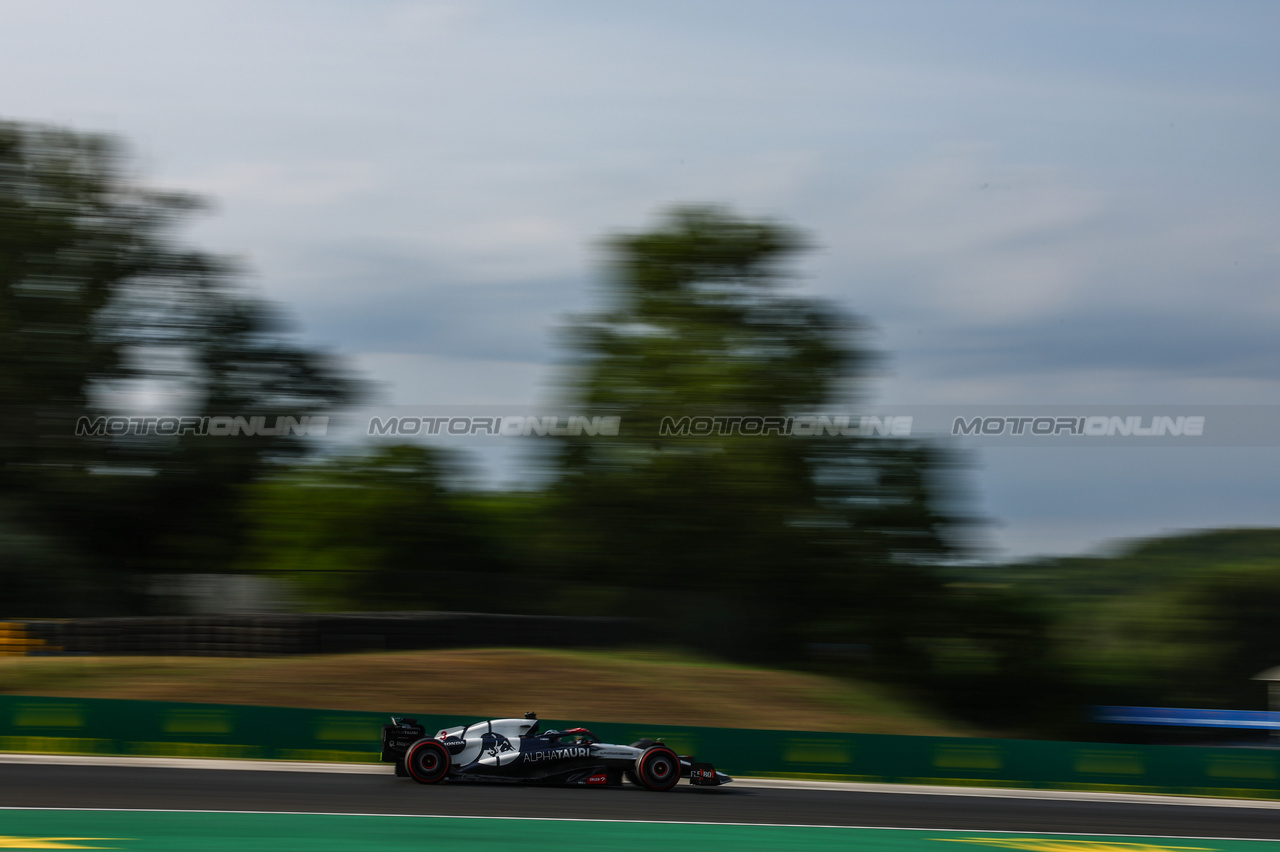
point(1066, 500)
point(1009, 281)
point(417, 379)
point(286, 184)
point(969, 241)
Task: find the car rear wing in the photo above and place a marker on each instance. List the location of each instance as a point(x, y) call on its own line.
point(398, 736)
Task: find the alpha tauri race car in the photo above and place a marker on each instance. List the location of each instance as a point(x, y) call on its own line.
point(516, 751)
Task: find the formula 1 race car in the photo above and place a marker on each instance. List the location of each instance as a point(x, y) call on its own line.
point(515, 751)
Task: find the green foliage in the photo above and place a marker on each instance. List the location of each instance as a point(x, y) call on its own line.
point(97, 302)
point(1181, 621)
point(39, 577)
point(748, 545)
point(380, 531)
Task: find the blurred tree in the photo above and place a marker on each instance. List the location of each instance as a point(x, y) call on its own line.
point(748, 544)
point(385, 530)
point(1182, 621)
point(98, 305)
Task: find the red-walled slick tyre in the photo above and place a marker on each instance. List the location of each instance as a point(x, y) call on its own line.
point(658, 768)
point(428, 761)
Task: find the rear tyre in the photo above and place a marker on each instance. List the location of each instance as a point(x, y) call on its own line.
point(658, 768)
point(427, 761)
point(631, 773)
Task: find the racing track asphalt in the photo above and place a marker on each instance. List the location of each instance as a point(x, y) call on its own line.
point(139, 787)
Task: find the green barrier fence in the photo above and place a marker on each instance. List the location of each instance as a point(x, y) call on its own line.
point(116, 727)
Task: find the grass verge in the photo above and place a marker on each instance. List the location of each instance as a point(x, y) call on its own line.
point(627, 686)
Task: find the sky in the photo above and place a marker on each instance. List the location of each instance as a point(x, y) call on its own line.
point(1053, 203)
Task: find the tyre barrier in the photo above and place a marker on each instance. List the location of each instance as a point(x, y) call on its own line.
point(307, 633)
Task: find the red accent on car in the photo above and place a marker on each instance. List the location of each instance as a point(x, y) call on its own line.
point(598, 779)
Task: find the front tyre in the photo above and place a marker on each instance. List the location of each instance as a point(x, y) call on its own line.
point(428, 761)
point(658, 768)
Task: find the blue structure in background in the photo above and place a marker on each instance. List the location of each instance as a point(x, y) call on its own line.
point(1189, 718)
